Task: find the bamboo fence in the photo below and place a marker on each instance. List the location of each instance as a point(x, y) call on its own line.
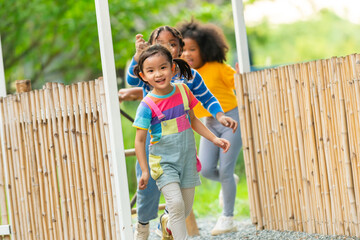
point(57, 153)
point(300, 128)
point(3, 201)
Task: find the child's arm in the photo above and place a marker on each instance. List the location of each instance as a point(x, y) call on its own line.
point(210, 103)
point(131, 78)
point(140, 45)
point(201, 129)
point(130, 94)
point(140, 140)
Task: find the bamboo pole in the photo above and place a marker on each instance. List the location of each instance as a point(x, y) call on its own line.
point(23, 143)
point(260, 158)
point(352, 218)
point(39, 106)
point(100, 162)
point(72, 113)
point(293, 152)
point(23, 85)
point(312, 119)
point(277, 159)
point(67, 156)
point(38, 162)
point(16, 168)
point(60, 219)
point(49, 161)
point(82, 171)
point(299, 154)
point(350, 100)
point(291, 201)
point(3, 207)
point(343, 147)
point(15, 207)
point(252, 182)
point(101, 102)
point(92, 162)
point(61, 159)
point(86, 160)
point(285, 189)
point(254, 204)
point(331, 101)
point(31, 154)
point(268, 132)
point(355, 66)
point(317, 92)
point(329, 196)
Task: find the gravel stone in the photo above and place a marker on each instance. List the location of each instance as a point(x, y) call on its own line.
point(246, 231)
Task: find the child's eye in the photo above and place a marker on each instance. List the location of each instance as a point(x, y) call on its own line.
point(173, 45)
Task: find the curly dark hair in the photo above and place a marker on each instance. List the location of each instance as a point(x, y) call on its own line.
point(209, 37)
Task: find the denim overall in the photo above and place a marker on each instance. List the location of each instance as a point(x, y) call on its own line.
point(173, 158)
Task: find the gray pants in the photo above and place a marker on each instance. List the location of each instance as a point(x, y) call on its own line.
point(219, 166)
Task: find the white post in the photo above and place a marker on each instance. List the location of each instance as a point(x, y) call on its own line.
point(4, 229)
point(122, 202)
point(2, 74)
point(241, 37)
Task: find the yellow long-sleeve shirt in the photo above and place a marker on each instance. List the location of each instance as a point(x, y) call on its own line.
point(219, 78)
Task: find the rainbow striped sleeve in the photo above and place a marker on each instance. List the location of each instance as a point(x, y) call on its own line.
point(143, 116)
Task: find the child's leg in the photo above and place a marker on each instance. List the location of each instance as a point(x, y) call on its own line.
point(176, 207)
point(210, 155)
point(188, 197)
point(147, 201)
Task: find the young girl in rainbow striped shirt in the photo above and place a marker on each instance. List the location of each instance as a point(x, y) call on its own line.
point(167, 113)
point(147, 200)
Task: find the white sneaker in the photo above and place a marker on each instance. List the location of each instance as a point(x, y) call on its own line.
point(158, 230)
point(142, 232)
point(221, 197)
point(224, 225)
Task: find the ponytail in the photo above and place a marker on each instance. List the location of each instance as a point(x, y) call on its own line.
point(184, 67)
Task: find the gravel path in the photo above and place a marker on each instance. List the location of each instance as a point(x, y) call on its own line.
point(246, 231)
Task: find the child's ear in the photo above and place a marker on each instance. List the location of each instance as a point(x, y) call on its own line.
point(141, 75)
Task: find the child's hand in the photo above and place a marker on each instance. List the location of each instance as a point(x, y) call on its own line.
point(144, 180)
point(228, 122)
point(130, 94)
point(140, 45)
point(222, 143)
point(237, 68)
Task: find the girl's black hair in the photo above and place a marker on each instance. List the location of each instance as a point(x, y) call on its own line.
point(209, 37)
point(155, 34)
point(183, 66)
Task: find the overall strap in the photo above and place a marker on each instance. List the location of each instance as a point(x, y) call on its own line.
point(184, 97)
point(156, 109)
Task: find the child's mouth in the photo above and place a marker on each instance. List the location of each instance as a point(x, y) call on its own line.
point(160, 81)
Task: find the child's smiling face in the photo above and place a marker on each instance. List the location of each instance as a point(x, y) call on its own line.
point(168, 40)
point(192, 54)
point(157, 71)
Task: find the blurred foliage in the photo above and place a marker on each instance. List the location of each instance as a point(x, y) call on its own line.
point(323, 36)
point(45, 40)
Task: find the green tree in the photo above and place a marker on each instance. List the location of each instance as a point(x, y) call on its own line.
point(46, 40)
point(323, 36)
